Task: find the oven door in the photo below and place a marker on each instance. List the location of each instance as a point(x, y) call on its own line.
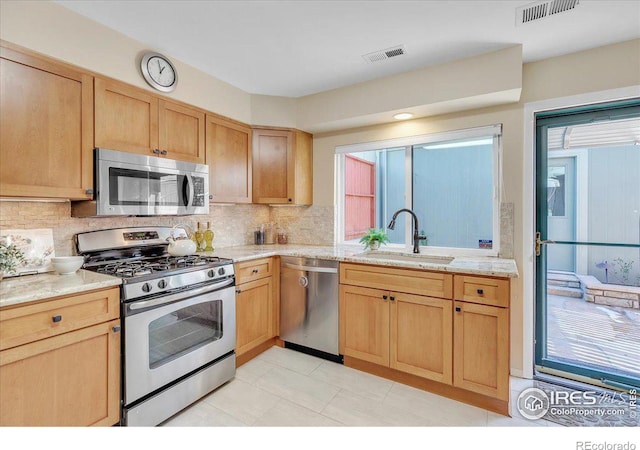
point(164, 342)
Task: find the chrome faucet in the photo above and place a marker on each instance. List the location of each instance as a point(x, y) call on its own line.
point(416, 235)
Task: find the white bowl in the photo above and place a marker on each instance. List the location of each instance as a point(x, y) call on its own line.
point(65, 265)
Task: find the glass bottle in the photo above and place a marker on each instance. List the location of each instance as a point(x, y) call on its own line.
point(208, 238)
point(199, 238)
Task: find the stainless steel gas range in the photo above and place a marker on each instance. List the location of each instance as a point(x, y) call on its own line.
point(178, 314)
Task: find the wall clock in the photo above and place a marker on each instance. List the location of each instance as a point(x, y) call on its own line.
point(158, 71)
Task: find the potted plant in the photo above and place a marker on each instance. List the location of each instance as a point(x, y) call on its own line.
point(10, 257)
point(374, 238)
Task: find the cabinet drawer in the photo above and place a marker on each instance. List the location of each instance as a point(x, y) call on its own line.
point(31, 323)
point(253, 270)
point(419, 282)
point(486, 291)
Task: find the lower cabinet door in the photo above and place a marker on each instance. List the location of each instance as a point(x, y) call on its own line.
point(68, 380)
point(421, 336)
point(254, 314)
point(481, 349)
point(364, 324)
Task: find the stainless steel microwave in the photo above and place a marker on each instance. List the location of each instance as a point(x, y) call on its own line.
point(129, 184)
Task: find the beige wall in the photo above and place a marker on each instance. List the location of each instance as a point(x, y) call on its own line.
point(479, 81)
point(604, 68)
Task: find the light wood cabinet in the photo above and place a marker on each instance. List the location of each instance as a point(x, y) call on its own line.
point(463, 343)
point(181, 132)
point(254, 314)
point(421, 282)
point(256, 304)
point(228, 155)
point(481, 335)
point(282, 166)
point(46, 117)
point(67, 375)
point(364, 324)
point(407, 332)
point(134, 120)
point(421, 329)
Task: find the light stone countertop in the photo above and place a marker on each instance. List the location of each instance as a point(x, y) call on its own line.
point(29, 288)
point(489, 266)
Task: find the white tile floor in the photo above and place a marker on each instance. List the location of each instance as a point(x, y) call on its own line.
point(283, 387)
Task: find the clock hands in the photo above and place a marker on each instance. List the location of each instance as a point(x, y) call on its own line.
point(160, 67)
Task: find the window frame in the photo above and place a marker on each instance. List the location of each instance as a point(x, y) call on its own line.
point(408, 142)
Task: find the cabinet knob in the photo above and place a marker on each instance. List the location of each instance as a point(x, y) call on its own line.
point(156, 151)
point(392, 298)
point(384, 297)
point(290, 199)
point(254, 271)
point(238, 291)
point(57, 318)
point(211, 197)
point(480, 291)
point(163, 153)
point(458, 309)
point(116, 328)
point(89, 192)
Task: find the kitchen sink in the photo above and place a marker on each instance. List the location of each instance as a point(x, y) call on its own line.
point(408, 257)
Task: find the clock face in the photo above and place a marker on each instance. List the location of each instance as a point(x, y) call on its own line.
point(159, 72)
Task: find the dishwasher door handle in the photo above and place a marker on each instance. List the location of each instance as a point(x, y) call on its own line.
point(311, 269)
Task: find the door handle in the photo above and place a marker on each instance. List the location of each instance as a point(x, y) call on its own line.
point(116, 329)
point(311, 268)
point(539, 243)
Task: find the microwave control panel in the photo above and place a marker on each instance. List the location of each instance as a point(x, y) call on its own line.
point(198, 191)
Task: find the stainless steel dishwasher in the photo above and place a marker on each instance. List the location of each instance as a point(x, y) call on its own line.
point(309, 306)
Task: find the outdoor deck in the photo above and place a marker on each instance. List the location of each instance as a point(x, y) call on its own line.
point(594, 334)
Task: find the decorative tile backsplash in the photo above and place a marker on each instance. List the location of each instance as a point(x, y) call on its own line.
point(232, 224)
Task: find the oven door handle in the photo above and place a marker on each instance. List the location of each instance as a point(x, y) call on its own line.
point(180, 296)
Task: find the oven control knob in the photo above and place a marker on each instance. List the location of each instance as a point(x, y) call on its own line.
point(162, 284)
point(146, 287)
point(211, 273)
point(221, 271)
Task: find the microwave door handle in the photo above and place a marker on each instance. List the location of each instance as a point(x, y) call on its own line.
point(187, 190)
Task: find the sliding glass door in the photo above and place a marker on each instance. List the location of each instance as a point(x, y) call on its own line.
point(588, 246)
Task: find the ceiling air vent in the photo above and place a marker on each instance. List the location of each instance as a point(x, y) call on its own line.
point(539, 10)
point(382, 55)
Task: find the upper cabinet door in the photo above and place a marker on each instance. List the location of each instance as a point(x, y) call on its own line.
point(282, 166)
point(228, 155)
point(273, 170)
point(46, 117)
point(181, 132)
point(126, 118)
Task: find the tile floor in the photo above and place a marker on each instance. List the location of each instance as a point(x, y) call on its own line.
point(282, 387)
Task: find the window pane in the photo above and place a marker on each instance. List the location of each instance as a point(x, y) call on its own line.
point(392, 194)
point(374, 190)
point(453, 192)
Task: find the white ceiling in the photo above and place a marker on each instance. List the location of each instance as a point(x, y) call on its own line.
point(297, 48)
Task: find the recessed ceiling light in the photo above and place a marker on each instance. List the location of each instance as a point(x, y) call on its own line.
point(403, 116)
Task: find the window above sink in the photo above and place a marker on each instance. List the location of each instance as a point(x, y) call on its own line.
point(450, 180)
